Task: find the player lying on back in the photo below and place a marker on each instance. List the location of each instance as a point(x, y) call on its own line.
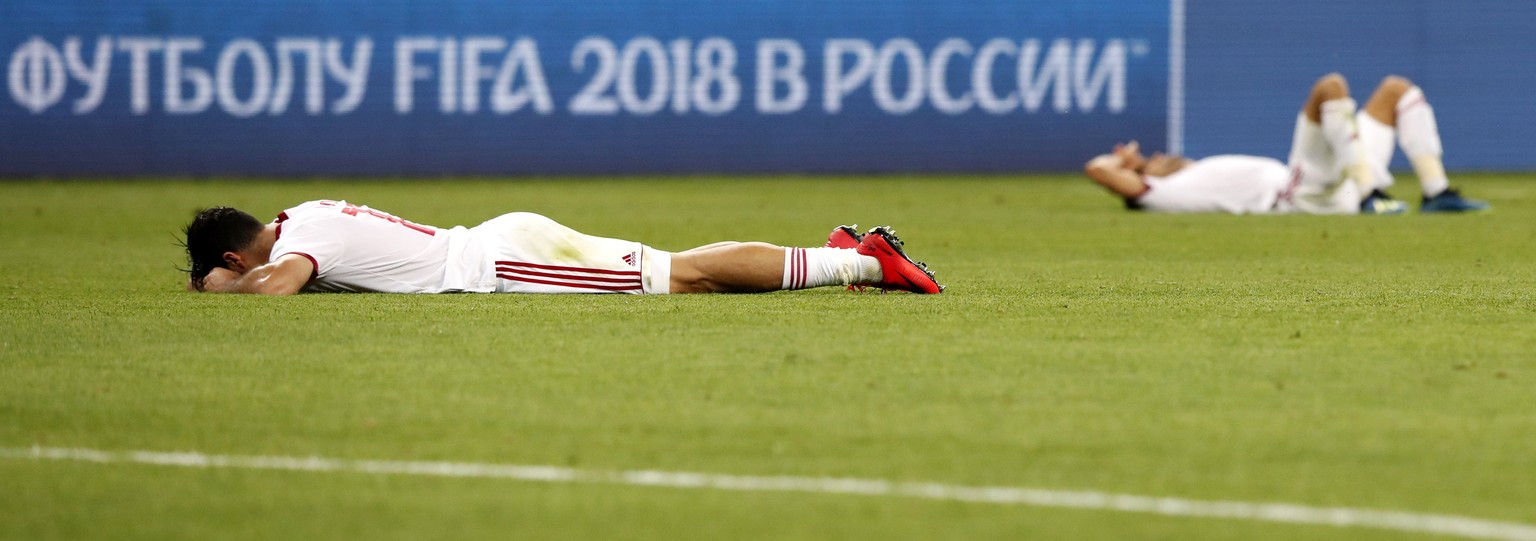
point(333, 246)
point(1338, 163)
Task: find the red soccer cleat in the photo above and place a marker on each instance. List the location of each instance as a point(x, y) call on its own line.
point(845, 236)
point(897, 270)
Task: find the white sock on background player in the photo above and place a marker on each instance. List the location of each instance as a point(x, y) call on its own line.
point(816, 267)
point(1343, 136)
point(1419, 136)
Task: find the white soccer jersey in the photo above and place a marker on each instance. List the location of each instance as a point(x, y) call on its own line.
point(356, 248)
point(1229, 183)
point(359, 249)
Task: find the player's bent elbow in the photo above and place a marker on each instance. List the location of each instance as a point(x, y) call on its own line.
point(1096, 171)
point(1103, 177)
point(284, 277)
point(1098, 177)
point(1102, 162)
point(273, 284)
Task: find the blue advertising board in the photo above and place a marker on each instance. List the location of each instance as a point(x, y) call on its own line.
point(357, 87)
point(1249, 66)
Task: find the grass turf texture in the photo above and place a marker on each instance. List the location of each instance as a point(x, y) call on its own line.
point(1379, 362)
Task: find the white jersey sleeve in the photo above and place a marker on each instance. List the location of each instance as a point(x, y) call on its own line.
point(301, 231)
point(356, 248)
point(1230, 183)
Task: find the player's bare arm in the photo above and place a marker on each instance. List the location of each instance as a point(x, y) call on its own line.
point(1118, 171)
point(286, 276)
point(231, 252)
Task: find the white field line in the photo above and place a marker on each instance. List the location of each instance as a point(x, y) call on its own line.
point(1468, 527)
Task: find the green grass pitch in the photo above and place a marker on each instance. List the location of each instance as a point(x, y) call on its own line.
point(1370, 362)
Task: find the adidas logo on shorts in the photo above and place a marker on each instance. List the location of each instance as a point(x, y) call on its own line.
point(629, 259)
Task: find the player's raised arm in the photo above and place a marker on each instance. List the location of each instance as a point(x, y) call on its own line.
point(1118, 171)
point(285, 276)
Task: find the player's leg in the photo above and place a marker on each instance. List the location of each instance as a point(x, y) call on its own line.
point(534, 254)
point(711, 246)
point(843, 236)
point(1401, 105)
point(1416, 131)
point(1330, 106)
point(1328, 89)
point(1377, 131)
point(1383, 103)
point(1327, 158)
point(751, 267)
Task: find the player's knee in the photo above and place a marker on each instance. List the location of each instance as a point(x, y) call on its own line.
point(1331, 86)
point(1395, 85)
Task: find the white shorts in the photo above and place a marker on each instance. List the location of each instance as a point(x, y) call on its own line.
point(1318, 188)
point(533, 254)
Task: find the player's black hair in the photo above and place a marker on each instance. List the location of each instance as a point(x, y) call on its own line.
point(213, 232)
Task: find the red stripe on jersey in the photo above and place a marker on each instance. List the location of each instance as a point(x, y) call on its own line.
point(313, 273)
point(281, 217)
point(1416, 101)
point(567, 269)
point(634, 287)
point(566, 276)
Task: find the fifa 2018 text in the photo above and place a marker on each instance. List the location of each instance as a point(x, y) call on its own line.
point(638, 87)
point(641, 76)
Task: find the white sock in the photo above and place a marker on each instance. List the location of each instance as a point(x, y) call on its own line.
point(816, 267)
point(1343, 137)
point(1379, 142)
point(1419, 136)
